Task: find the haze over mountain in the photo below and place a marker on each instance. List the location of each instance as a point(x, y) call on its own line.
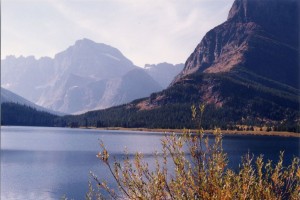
point(245, 70)
point(84, 77)
point(163, 73)
point(26, 76)
point(10, 97)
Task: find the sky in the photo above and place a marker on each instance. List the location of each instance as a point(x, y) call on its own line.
point(145, 31)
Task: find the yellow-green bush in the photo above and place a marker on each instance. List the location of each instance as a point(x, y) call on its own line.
point(203, 174)
point(199, 171)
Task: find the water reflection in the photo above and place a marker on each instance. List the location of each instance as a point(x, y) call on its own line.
point(46, 163)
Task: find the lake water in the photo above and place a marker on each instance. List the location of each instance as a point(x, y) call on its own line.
point(47, 163)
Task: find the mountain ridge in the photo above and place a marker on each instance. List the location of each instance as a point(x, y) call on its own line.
point(63, 83)
point(231, 44)
point(245, 72)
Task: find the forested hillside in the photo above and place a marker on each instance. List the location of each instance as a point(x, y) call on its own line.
point(22, 115)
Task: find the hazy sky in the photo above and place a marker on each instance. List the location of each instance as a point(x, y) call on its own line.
point(145, 31)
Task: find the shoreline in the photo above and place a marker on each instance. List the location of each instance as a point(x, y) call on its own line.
point(225, 132)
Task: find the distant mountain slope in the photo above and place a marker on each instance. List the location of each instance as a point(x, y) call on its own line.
point(77, 79)
point(26, 76)
point(163, 73)
point(10, 97)
point(133, 85)
point(245, 70)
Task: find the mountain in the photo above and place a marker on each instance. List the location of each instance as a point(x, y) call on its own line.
point(133, 85)
point(15, 110)
point(163, 73)
point(260, 36)
point(86, 76)
point(10, 97)
point(93, 60)
point(17, 75)
point(246, 72)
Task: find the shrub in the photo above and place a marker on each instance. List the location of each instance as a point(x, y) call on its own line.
point(199, 171)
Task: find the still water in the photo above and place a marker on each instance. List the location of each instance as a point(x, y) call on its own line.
point(47, 163)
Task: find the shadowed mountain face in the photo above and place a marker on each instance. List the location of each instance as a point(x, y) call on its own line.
point(86, 76)
point(261, 36)
point(245, 70)
point(256, 48)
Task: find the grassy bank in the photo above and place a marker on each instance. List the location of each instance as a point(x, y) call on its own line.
point(226, 132)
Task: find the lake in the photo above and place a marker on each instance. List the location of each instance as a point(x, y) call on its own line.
point(47, 163)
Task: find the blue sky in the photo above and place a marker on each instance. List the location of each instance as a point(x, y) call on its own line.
point(145, 31)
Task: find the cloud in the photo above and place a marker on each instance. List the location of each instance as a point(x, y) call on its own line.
point(146, 31)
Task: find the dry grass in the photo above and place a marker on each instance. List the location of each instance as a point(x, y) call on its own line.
point(224, 132)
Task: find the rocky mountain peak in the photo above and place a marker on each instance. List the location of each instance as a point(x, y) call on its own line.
point(85, 41)
point(86, 46)
point(260, 11)
point(89, 58)
point(259, 35)
point(281, 17)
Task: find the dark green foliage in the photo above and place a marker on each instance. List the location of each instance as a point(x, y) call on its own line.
point(122, 117)
point(21, 115)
